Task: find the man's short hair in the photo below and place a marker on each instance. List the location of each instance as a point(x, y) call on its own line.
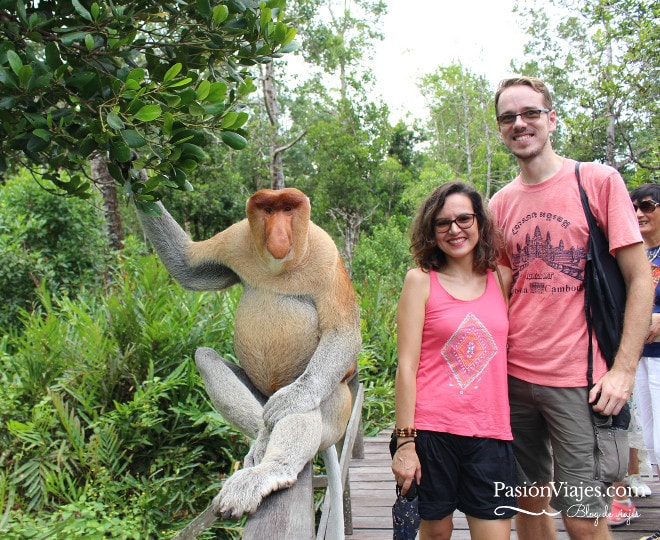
point(535, 84)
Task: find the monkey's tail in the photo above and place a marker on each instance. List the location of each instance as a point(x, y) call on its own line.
point(335, 530)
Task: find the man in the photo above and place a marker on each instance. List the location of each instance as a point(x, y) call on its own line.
point(545, 237)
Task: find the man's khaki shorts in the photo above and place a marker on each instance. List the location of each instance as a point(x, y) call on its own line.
point(553, 427)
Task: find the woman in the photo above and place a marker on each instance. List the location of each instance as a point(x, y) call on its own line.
point(646, 199)
point(452, 411)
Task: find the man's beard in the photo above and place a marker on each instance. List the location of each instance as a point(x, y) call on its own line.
point(533, 152)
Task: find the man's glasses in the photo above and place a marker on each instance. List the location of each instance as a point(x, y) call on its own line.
point(464, 221)
point(647, 207)
point(531, 114)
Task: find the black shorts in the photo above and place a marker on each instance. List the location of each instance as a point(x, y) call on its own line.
point(472, 474)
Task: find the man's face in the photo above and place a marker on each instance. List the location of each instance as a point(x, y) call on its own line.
point(526, 139)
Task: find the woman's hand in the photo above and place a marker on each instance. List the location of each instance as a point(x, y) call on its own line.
point(654, 329)
point(406, 466)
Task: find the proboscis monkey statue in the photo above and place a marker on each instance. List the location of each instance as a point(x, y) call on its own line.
point(297, 336)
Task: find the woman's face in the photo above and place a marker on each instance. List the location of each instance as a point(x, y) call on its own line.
point(649, 222)
point(456, 242)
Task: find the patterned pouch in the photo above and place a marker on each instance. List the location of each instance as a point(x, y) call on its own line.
point(405, 515)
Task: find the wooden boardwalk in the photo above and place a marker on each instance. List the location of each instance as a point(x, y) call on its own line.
point(372, 495)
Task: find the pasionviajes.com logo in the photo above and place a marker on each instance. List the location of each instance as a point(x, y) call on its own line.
point(576, 493)
point(553, 489)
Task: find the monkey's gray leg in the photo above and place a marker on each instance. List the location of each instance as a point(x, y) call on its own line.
point(235, 398)
point(293, 442)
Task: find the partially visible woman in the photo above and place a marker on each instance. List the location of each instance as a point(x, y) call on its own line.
point(452, 410)
point(646, 200)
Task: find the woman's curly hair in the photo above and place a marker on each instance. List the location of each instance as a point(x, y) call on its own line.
point(423, 245)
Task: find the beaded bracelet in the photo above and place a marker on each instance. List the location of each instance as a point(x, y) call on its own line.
point(405, 432)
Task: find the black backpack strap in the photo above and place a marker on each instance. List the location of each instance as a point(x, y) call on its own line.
point(587, 307)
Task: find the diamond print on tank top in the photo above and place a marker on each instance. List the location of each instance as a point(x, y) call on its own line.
point(469, 350)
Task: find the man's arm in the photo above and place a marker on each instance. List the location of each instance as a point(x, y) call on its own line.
point(616, 385)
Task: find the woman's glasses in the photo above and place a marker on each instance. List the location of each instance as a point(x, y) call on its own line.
point(647, 207)
point(464, 221)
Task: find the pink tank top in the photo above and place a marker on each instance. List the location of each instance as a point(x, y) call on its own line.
point(462, 373)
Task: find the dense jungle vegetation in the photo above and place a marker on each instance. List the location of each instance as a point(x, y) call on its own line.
point(105, 428)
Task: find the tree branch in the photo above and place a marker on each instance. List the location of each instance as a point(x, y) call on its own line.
point(281, 149)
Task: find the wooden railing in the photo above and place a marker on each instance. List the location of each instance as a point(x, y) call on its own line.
point(353, 446)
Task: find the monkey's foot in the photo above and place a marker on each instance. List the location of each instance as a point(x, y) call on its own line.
point(245, 489)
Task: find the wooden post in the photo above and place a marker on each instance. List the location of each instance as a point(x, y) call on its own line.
point(288, 513)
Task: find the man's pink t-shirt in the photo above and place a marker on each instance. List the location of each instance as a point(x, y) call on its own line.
point(545, 236)
point(461, 378)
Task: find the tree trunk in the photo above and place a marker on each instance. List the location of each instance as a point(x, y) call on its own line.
point(611, 114)
point(348, 224)
point(467, 120)
point(273, 110)
point(489, 152)
point(106, 184)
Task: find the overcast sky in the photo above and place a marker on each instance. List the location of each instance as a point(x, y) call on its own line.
point(421, 35)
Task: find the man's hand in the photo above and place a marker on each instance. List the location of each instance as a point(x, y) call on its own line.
point(612, 391)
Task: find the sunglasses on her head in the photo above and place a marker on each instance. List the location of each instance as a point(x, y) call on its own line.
point(647, 207)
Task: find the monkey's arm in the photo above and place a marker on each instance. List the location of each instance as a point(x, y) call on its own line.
point(334, 357)
point(173, 244)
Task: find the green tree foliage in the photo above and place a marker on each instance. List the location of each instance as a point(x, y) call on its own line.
point(223, 185)
point(340, 37)
point(107, 431)
point(383, 256)
point(402, 145)
point(143, 83)
point(463, 127)
point(46, 238)
point(600, 57)
point(347, 150)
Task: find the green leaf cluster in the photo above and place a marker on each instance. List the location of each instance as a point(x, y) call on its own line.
point(46, 238)
point(600, 59)
point(146, 84)
point(107, 430)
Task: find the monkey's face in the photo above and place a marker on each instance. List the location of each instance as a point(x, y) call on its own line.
point(279, 221)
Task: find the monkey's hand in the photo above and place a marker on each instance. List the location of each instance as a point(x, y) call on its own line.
point(332, 359)
point(291, 399)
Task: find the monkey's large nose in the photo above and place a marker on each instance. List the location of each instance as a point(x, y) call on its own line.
point(278, 251)
point(278, 244)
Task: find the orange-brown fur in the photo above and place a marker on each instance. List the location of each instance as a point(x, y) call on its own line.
point(271, 315)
